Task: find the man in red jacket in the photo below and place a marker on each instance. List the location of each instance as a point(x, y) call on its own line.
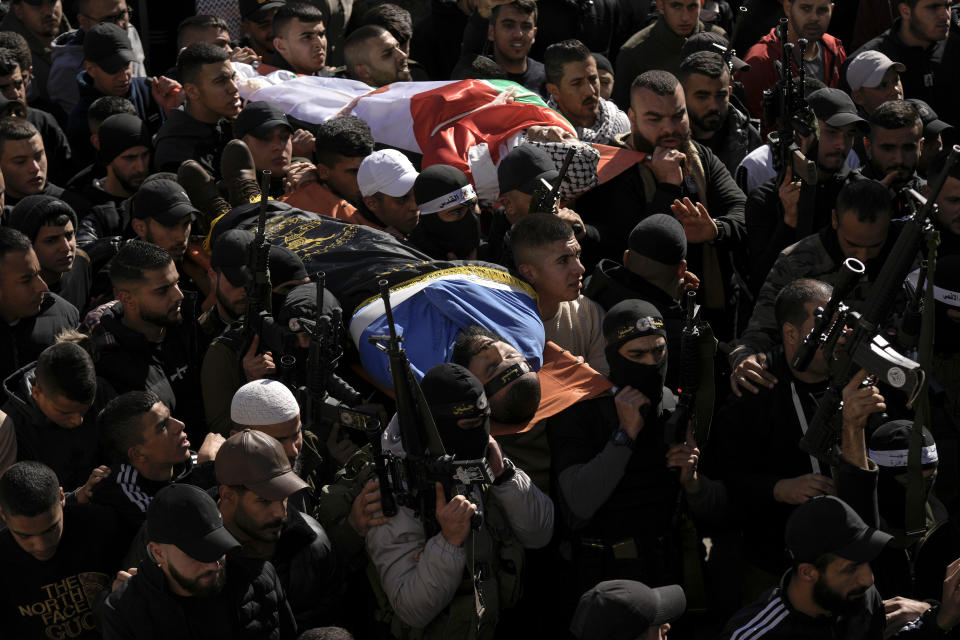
point(824, 54)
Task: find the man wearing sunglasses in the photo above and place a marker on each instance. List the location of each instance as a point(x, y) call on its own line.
point(68, 48)
point(39, 22)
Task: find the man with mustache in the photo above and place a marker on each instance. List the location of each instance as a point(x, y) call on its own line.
point(824, 55)
point(162, 215)
point(573, 83)
point(39, 22)
point(143, 342)
point(678, 175)
point(191, 584)
point(510, 26)
point(918, 40)
point(829, 591)
point(782, 211)
point(125, 151)
point(374, 56)
point(714, 122)
point(893, 148)
point(256, 483)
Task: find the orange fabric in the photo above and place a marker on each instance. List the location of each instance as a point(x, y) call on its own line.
point(564, 381)
point(615, 160)
point(318, 198)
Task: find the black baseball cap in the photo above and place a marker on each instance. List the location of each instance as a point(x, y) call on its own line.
point(624, 609)
point(251, 9)
point(524, 167)
point(107, 46)
point(230, 254)
point(185, 516)
point(659, 237)
point(827, 524)
point(714, 42)
point(163, 200)
point(258, 119)
point(932, 124)
point(834, 107)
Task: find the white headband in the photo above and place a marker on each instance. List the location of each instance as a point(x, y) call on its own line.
point(444, 202)
point(899, 457)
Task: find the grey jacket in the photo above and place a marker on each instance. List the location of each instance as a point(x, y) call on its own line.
point(419, 576)
point(67, 62)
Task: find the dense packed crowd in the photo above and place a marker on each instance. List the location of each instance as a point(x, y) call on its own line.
point(479, 319)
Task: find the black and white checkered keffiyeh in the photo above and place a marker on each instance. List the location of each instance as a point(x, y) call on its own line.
point(582, 172)
point(610, 123)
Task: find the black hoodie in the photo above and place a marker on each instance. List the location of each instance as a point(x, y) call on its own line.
point(71, 453)
point(22, 342)
point(183, 137)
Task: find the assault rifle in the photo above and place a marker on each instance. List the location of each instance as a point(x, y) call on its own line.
point(409, 480)
point(784, 105)
point(675, 431)
point(546, 195)
point(258, 276)
point(327, 397)
point(864, 347)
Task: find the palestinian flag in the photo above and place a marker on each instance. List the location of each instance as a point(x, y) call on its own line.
point(468, 124)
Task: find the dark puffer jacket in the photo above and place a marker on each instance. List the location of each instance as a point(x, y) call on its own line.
point(308, 571)
point(21, 343)
point(144, 608)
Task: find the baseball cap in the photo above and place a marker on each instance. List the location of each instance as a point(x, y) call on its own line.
point(659, 237)
point(230, 254)
point(524, 167)
point(867, 69)
point(185, 516)
point(624, 609)
point(107, 46)
point(711, 41)
point(827, 524)
point(163, 200)
point(251, 9)
point(440, 187)
point(258, 119)
point(834, 107)
point(932, 125)
point(257, 461)
point(387, 171)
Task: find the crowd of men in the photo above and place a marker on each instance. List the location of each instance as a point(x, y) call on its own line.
point(597, 431)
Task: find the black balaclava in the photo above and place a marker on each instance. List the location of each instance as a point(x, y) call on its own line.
point(441, 187)
point(454, 393)
point(889, 447)
point(946, 293)
point(625, 321)
point(437, 238)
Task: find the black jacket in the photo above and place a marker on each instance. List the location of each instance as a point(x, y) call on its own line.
point(928, 71)
point(611, 283)
point(735, 140)
point(768, 235)
point(615, 208)
point(308, 571)
point(71, 453)
point(22, 343)
point(753, 445)
point(144, 608)
point(55, 145)
point(171, 368)
point(183, 137)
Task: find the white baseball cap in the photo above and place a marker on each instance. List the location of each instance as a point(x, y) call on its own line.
point(387, 171)
point(868, 69)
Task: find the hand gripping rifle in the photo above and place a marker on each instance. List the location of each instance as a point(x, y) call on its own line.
point(258, 276)
point(864, 347)
point(784, 105)
point(327, 397)
point(409, 480)
point(675, 431)
point(546, 195)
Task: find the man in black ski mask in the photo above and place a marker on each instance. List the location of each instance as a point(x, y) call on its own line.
point(449, 227)
point(460, 410)
point(612, 463)
point(637, 349)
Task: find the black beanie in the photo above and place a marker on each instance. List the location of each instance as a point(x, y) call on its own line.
point(659, 237)
point(28, 215)
point(121, 132)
